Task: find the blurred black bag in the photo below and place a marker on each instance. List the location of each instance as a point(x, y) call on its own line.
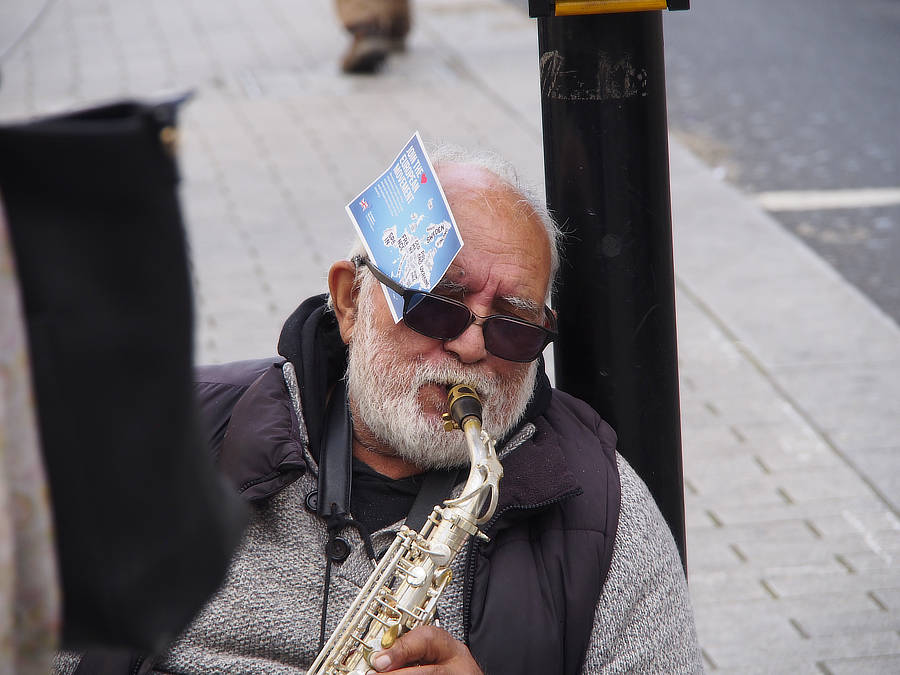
point(144, 525)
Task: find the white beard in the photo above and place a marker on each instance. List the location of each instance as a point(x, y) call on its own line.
point(384, 394)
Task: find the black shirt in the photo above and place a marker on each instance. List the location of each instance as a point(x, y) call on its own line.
point(377, 501)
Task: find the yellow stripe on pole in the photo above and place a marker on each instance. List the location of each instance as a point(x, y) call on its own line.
point(576, 7)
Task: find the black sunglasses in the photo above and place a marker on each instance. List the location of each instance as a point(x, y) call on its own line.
point(435, 316)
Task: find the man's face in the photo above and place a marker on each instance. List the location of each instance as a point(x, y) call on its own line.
point(399, 379)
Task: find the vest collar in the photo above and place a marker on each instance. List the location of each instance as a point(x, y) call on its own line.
point(536, 473)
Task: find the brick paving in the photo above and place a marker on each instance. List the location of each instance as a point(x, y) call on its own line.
point(789, 376)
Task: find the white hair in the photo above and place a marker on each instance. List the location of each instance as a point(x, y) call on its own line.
point(444, 153)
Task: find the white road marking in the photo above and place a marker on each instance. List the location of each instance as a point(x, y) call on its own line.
point(818, 200)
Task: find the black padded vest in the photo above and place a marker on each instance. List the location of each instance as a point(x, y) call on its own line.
point(532, 590)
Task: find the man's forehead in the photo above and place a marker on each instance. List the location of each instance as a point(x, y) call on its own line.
point(498, 221)
point(455, 272)
point(483, 188)
point(455, 279)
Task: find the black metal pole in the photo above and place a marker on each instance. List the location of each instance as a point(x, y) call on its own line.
point(603, 96)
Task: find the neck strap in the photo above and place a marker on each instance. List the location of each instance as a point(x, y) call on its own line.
point(336, 476)
point(335, 460)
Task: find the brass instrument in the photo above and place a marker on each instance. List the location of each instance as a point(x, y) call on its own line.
point(403, 590)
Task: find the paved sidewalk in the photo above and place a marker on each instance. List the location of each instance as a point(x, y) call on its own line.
point(790, 378)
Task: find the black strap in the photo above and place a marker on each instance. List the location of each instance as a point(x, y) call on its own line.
point(324, 616)
point(435, 488)
point(335, 465)
point(336, 473)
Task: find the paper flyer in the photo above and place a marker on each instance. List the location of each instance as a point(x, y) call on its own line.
point(405, 223)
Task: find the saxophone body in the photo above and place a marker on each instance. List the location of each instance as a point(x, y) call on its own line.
point(403, 590)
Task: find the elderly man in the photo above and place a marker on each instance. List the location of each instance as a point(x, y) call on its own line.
point(581, 574)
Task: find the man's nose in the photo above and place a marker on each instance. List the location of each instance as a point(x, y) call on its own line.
point(469, 345)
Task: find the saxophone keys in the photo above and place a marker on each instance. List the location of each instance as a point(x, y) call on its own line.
point(441, 554)
point(417, 576)
point(444, 577)
point(390, 636)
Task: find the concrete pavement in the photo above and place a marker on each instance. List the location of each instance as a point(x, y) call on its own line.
point(789, 376)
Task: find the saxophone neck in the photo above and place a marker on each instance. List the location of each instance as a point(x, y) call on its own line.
point(485, 469)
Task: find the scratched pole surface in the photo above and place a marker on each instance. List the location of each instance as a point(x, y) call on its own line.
point(606, 165)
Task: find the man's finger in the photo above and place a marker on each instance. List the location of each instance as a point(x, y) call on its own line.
point(423, 645)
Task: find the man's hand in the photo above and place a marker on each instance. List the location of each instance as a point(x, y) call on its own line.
point(427, 650)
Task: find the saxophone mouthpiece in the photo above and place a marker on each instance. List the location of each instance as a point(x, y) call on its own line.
point(464, 404)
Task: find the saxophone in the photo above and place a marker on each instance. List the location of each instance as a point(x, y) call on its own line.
point(403, 590)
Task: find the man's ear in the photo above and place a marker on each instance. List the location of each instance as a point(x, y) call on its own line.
point(341, 279)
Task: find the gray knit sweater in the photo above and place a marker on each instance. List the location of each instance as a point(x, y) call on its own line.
point(265, 618)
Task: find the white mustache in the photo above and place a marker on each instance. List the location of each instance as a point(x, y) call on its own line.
point(449, 375)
